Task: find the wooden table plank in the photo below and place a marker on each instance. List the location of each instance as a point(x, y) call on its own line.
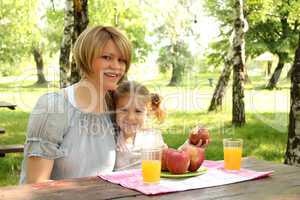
point(70, 189)
point(283, 184)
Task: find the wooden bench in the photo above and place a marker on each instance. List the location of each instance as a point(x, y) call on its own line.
point(4, 104)
point(10, 106)
point(4, 149)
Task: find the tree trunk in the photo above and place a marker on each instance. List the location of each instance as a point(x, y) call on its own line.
point(176, 75)
point(80, 23)
point(38, 58)
point(292, 155)
point(247, 78)
point(65, 48)
point(238, 106)
point(220, 90)
point(269, 68)
point(276, 74)
point(289, 74)
point(177, 69)
point(281, 55)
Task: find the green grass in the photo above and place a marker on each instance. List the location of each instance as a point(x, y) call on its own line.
point(260, 139)
point(265, 134)
point(15, 123)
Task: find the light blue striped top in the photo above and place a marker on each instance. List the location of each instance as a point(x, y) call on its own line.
point(81, 144)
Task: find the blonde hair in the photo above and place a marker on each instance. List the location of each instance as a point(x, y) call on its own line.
point(132, 88)
point(90, 43)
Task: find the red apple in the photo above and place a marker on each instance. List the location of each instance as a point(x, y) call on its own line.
point(178, 161)
point(197, 134)
point(197, 156)
point(165, 153)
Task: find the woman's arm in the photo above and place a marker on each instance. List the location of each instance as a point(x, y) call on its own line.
point(38, 169)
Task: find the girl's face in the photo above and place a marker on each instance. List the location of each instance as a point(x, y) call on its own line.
point(109, 67)
point(131, 114)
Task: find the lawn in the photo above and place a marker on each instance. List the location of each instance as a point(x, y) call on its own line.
point(265, 134)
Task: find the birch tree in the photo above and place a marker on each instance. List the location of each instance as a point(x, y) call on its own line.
point(76, 20)
point(64, 58)
point(238, 105)
point(81, 21)
point(292, 155)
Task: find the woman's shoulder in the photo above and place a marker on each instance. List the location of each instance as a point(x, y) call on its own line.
point(51, 102)
point(49, 117)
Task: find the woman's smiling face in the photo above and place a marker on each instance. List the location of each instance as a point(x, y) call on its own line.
point(108, 68)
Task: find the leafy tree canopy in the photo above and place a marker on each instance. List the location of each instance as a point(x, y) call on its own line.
point(128, 16)
point(16, 29)
point(273, 26)
point(174, 29)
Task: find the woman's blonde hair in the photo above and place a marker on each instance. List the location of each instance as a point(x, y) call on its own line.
point(90, 43)
point(132, 88)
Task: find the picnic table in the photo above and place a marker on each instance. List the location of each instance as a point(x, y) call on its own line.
point(283, 184)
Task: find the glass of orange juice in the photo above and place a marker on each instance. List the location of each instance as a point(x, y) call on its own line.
point(232, 153)
point(151, 165)
point(150, 143)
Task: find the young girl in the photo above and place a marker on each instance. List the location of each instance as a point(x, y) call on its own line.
point(134, 104)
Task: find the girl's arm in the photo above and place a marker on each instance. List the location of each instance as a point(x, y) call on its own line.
point(38, 169)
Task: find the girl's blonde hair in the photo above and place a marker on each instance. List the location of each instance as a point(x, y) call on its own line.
point(133, 88)
point(90, 43)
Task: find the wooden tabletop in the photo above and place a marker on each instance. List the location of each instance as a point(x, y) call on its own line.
point(4, 104)
point(283, 184)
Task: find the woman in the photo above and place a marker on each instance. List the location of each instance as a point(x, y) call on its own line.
point(70, 132)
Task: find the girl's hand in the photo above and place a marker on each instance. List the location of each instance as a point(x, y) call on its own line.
point(199, 137)
point(200, 144)
point(203, 145)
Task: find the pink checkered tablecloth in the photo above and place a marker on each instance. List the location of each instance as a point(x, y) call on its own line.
point(215, 176)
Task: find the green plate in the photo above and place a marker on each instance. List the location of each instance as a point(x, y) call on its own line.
point(201, 170)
